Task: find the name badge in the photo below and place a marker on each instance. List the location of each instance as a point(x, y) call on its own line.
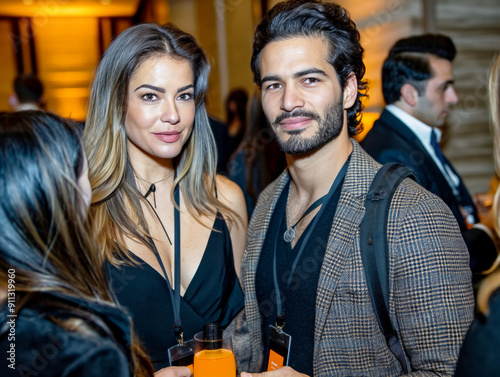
point(279, 348)
point(182, 355)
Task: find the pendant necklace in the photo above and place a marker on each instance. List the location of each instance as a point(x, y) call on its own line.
point(152, 186)
point(152, 189)
point(289, 234)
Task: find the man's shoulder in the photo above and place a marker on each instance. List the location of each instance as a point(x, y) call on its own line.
point(387, 132)
point(411, 199)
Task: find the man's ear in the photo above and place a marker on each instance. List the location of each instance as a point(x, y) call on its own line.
point(409, 94)
point(13, 101)
point(350, 91)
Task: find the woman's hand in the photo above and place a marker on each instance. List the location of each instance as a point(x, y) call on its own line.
point(174, 372)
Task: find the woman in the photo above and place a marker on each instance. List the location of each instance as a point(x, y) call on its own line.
point(158, 205)
point(58, 316)
point(480, 355)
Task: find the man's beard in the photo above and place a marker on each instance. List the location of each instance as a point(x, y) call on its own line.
point(328, 129)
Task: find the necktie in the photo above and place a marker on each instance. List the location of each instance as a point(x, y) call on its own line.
point(437, 149)
point(440, 156)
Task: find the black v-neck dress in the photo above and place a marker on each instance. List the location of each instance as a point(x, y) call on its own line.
point(214, 295)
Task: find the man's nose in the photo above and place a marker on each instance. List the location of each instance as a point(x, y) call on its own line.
point(292, 99)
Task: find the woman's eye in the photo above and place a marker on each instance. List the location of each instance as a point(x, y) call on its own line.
point(149, 97)
point(186, 96)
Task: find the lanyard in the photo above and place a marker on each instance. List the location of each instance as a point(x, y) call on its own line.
point(280, 317)
point(175, 294)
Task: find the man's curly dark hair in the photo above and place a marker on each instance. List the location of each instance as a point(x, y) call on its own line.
point(310, 18)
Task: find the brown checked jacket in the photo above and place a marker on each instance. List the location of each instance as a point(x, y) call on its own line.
point(430, 292)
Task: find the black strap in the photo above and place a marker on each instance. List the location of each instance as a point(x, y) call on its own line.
point(374, 249)
point(175, 293)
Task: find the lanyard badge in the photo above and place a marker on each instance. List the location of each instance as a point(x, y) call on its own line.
point(279, 348)
point(182, 354)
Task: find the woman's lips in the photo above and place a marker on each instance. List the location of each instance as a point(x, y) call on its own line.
point(168, 137)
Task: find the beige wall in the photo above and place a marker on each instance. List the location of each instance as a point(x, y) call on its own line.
point(224, 28)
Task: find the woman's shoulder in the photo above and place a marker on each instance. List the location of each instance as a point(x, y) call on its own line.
point(228, 191)
point(40, 345)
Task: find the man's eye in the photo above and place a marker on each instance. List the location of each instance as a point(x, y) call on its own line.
point(311, 80)
point(274, 86)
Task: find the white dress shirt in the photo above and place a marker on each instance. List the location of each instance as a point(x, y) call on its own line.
point(423, 132)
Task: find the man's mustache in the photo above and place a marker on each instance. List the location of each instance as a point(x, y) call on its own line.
point(296, 114)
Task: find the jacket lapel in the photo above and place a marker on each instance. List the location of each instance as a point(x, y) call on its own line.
point(428, 166)
point(342, 241)
point(257, 230)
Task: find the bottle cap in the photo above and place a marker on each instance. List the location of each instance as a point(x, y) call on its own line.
point(213, 333)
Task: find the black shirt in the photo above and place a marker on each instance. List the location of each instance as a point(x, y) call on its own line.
point(299, 302)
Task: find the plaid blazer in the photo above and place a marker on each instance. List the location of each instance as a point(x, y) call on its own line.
point(431, 299)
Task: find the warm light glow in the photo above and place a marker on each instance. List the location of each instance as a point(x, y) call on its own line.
point(368, 119)
point(43, 10)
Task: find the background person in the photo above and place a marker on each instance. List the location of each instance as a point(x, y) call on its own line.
point(418, 88)
point(150, 146)
point(236, 116)
point(28, 93)
point(66, 322)
point(257, 161)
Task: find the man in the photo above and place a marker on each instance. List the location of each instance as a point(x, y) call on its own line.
point(302, 267)
point(28, 93)
point(417, 84)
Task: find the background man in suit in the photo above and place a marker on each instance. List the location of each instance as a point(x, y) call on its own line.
point(302, 267)
point(417, 84)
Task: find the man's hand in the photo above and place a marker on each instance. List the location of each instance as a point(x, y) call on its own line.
point(174, 372)
point(282, 372)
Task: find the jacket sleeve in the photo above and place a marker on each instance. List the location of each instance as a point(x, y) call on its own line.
point(101, 361)
point(432, 292)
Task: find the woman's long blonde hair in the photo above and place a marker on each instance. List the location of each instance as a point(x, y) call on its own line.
point(45, 239)
point(116, 203)
point(492, 282)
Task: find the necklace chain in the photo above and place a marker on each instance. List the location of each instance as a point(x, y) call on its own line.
point(152, 186)
point(153, 183)
point(289, 234)
point(152, 189)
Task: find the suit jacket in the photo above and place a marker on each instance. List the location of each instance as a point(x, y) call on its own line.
point(431, 299)
point(390, 140)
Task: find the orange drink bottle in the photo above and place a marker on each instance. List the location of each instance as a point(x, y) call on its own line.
point(214, 363)
point(213, 355)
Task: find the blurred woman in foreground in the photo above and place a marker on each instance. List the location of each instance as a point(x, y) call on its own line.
point(58, 315)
